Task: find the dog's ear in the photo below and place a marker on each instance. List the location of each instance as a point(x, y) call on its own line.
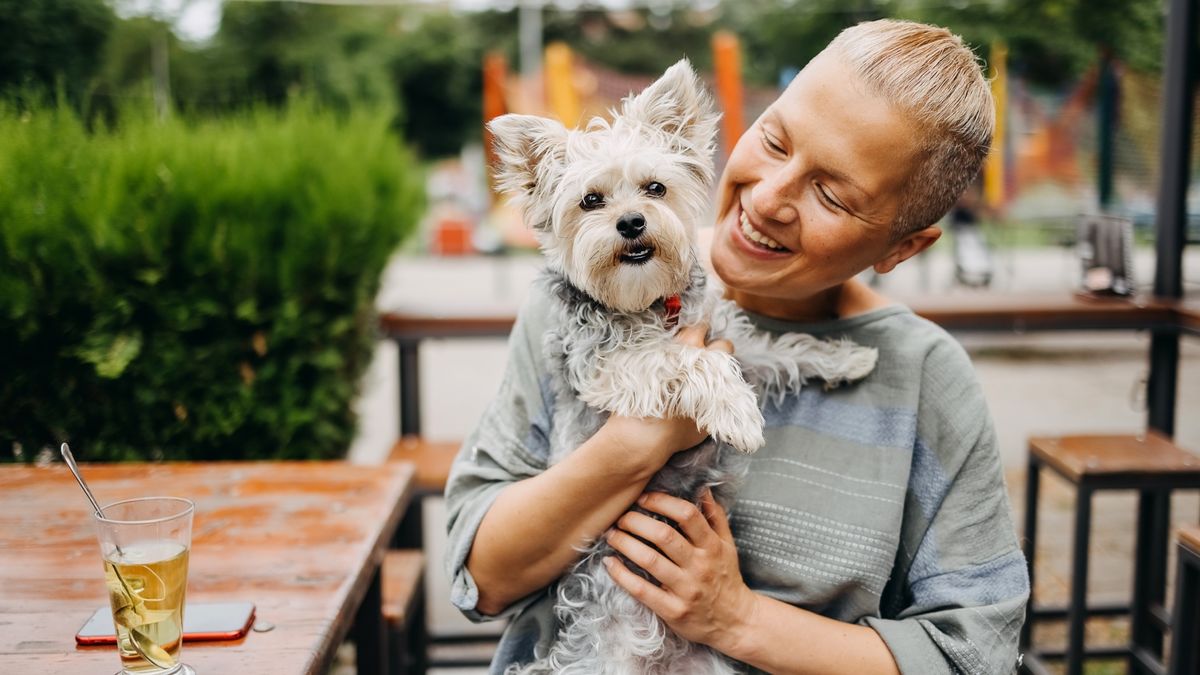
point(678, 104)
point(529, 150)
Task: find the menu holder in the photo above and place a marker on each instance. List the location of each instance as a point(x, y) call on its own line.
point(1105, 247)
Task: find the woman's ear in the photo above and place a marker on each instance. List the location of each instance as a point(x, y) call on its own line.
point(912, 244)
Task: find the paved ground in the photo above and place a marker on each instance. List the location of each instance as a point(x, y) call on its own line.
point(1049, 383)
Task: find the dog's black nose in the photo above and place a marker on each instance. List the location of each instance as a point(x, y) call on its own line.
point(631, 225)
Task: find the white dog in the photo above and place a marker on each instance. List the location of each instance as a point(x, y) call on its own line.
point(615, 207)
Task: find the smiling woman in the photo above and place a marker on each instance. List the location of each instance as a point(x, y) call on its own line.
point(830, 168)
point(872, 532)
point(821, 175)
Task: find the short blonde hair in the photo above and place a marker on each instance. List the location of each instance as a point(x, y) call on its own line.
point(929, 73)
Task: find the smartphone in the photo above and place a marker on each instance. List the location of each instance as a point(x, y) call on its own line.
point(201, 621)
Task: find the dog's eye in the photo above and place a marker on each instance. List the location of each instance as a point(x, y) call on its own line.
point(655, 189)
point(592, 200)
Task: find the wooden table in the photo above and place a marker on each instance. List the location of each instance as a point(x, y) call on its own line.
point(1189, 316)
point(302, 540)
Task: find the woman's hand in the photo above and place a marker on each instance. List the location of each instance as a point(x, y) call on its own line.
point(703, 597)
point(653, 439)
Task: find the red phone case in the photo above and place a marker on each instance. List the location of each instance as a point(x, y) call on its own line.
point(188, 636)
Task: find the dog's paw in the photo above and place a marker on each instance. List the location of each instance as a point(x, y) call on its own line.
point(859, 363)
point(737, 422)
point(722, 403)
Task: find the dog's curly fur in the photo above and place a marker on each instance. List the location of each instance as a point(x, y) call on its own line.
point(613, 350)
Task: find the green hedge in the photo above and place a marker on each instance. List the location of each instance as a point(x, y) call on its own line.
point(193, 289)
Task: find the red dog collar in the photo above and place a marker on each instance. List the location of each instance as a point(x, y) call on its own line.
point(671, 307)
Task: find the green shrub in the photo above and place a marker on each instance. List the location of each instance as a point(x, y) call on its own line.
point(193, 289)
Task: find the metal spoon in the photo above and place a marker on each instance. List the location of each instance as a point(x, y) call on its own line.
point(70, 459)
point(141, 642)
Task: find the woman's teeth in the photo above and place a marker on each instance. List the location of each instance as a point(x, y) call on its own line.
point(754, 235)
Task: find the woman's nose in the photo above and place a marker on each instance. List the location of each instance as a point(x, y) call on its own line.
point(774, 198)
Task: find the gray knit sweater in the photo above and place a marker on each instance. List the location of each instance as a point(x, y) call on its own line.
point(881, 503)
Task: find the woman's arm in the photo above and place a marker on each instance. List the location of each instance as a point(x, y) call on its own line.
point(533, 531)
point(829, 646)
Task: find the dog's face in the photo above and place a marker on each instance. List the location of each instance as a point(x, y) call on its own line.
point(615, 206)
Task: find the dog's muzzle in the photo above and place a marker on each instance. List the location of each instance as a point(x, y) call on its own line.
point(636, 252)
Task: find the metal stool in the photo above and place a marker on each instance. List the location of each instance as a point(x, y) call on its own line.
point(1185, 630)
point(1150, 464)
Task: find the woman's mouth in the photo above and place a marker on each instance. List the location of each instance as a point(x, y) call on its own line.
point(756, 238)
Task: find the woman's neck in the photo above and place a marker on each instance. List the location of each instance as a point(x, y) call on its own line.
point(837, 302)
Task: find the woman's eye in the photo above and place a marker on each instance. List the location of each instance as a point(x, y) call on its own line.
point(592, 200)
point(771, 144)
point(828, 200)
point(655, 189)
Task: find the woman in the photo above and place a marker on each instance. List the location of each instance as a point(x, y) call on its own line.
point(872, 533)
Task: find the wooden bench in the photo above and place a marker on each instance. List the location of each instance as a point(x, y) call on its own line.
point(1154, 466)
point(432, 460)
point(403, 590)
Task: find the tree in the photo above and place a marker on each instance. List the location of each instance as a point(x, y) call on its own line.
point(436, 68)
point(1051, 42)
point(47, 44)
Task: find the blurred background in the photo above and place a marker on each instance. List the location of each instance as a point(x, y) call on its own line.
point(279, 152)
point(206, 205)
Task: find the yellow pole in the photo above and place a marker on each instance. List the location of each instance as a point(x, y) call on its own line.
point(993, 169)
point(560, 88)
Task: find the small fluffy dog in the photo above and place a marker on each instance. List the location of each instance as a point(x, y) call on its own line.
point(615, 208)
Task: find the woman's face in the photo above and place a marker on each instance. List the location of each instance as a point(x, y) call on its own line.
point(810, 192)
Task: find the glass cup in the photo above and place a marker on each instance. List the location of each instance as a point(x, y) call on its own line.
point(145, 544)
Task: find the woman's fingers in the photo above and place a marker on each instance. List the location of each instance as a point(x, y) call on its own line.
point(721, 346)
point(666, 538)
point(716, 516)
point(689, 518)
point(659, 600)
point(644, 556)
point(695, 336)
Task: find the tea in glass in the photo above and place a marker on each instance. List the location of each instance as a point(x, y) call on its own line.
point(145, 544)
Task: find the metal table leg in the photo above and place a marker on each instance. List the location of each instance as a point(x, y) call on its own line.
point(1029, 542)
point(370, 632)
point(410, 387)
point(1149, 578)
point(1077, 615)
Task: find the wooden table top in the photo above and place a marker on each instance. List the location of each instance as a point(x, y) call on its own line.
point(1043, 311)
point(302, 540)
point(1189, 536)
point(967, 312)
point(1116, 455)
